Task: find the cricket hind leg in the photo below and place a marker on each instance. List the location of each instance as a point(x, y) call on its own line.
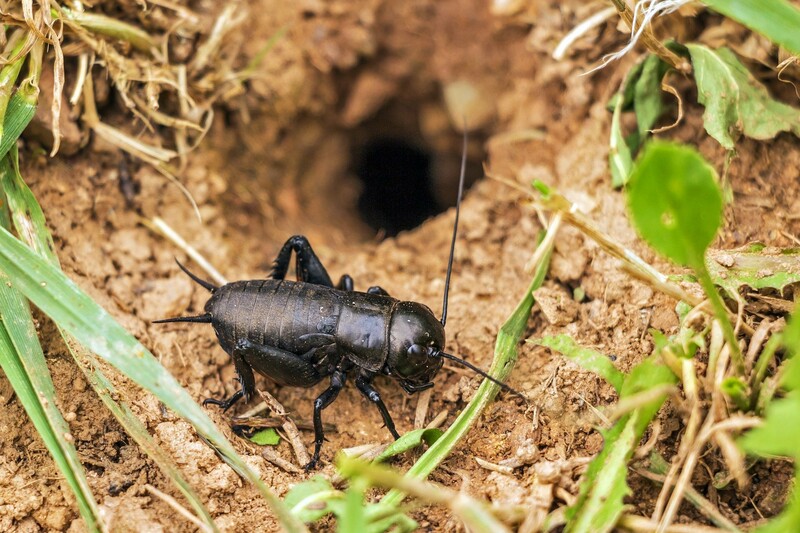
point(246, 380)
point(308, 266)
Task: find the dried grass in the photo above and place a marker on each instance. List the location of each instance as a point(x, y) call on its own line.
point(174, 102)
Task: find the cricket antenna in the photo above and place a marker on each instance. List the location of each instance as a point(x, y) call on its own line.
point(205, 284)
point(455, 225)
point(482, 373)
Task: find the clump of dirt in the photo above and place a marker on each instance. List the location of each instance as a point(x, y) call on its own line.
point(280, 163)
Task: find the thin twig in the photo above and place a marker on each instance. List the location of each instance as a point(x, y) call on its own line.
point(158, 225)
point(292, 433)
point(684, 449)
point(503, 469)
point(271, 454)
point(698, 500)
point(423, 402)
point(641, 523)
point(546, 244)
point(438, 420)
point(181, 510)
point(706, 432)
point(580, 30)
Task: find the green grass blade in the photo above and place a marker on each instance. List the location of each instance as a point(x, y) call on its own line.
point(29, 222)
point(26, 214)
point(21, 355)
point(8, 78)
point(110, 27)
point(505, 357)
point(777, 20)
point(71, 308)
point(24, 364)
point(19, 113)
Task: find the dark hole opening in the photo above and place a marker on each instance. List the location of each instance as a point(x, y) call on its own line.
point(404, 183)
point(397, 189)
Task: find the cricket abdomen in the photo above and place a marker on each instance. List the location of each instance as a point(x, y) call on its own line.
point(275, 313)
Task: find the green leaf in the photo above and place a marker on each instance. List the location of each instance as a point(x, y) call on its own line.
point(675, 202)
point(645, 376)
point(764, 268)
point(736, 103)
point(410, 440)
point(72, 309)
point(589, 359)
point(603, 489)
point(777, 20)
point(353, 518)
point(310, 500)
point(676, 205)
point(780, 434)
point(600, 501)
point(628, 89)
point(620, 160)
point(648, 101)
point(736, 389)
point(641, 92)
point(266, 437)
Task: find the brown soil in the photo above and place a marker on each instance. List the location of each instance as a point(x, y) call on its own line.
point(278, 163)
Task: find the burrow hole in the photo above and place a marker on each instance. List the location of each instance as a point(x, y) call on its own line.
point(408, 172)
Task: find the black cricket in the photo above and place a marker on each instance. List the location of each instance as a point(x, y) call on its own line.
point(299, 332)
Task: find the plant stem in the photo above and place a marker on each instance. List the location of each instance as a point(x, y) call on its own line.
point(110, 27)
point(8, 77)
point(30, 85)
point(722, 316)
point(760, 370)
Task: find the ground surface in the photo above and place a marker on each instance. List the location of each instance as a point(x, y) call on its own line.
point(282, 169)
